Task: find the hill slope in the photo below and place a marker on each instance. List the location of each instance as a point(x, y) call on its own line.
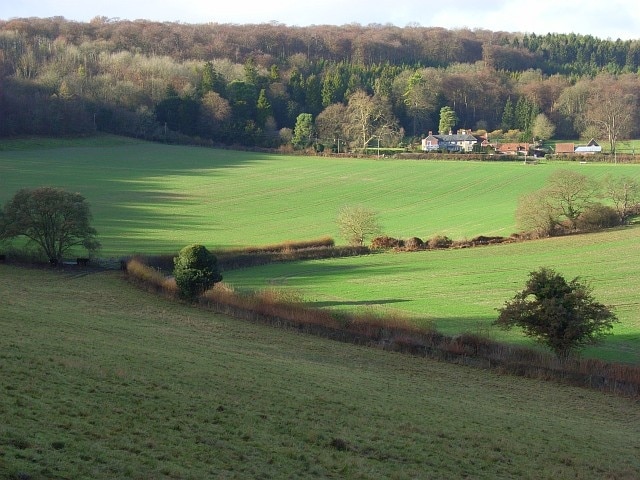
point(101, 380)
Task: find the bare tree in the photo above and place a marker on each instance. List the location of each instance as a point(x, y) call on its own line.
point(570, 192)
point(357, 223)
point(565, 197)
point(611, 108)
point(330, 122)
point(370, 117)
point(536, 215)
point(624, 192)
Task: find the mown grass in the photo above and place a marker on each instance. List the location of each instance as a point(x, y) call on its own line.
point(152, 198)
point(101, 380)
point(460, 290)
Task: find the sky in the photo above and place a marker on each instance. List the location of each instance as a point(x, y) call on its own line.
point(605, 19)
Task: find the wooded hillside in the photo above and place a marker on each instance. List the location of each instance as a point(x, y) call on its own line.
point(249, 84)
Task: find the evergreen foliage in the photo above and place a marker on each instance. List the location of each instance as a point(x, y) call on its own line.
point(195, 271)
point(562, 315)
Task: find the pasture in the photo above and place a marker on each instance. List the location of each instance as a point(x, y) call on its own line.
point(152, 198)
point(100, 380)
point(459, 290)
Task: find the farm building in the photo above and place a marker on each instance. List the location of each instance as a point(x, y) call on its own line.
point(570, 148)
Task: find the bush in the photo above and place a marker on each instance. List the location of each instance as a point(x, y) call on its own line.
point(413, 244)
point(598, 216)
point(195, 270)
point(440, 241)
point(384, 242)
point(560, 314)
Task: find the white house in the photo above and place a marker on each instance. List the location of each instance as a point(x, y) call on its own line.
point(462, 141)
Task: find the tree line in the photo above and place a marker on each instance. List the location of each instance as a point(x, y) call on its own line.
point(339, 87)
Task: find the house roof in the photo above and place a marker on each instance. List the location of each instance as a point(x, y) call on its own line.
point(565, 148)
point(589, 149)
point(457, 137)
point(512, 147)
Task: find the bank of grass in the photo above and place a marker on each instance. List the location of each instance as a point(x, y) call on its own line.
point(459, 290)
point(102, 380)
point(395, 332)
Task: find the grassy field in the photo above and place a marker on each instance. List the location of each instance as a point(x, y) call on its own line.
point(151, 198)
point(459, 290)
point(100, 380)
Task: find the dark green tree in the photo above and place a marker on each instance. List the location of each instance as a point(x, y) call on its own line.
point(52, 218)
point(195, 270)
point(448, 119)
point(508, 116)
point(251, 71)
point(263, 107)
point(303, 131)
point(562, 315)
point(208, 78)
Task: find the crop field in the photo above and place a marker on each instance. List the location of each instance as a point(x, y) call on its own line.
point(100, 380)
point(151, 198)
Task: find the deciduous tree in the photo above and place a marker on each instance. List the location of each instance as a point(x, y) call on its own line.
point(357, 223)
point(570, 192)
point(561, 315)
point(542, 128)
point(53, 219)
point(369, 117)
point(536, 215)
point(611, 107)
point(624, 192)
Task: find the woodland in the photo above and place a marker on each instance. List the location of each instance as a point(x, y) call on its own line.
point(277, 86)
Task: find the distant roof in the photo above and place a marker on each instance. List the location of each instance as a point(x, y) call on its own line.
point(565, 147)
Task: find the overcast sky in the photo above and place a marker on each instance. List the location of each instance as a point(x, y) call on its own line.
point(605, 19)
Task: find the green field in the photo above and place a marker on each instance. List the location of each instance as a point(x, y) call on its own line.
point(459, 290)
point(151, 198)
point(100, 380)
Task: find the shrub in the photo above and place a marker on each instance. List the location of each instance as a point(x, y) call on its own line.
point(413, 244)
point(151, 277)
point(440, 241)
point(385, 242)
point(195, 270)
point(560, 314)
point(598, 216)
